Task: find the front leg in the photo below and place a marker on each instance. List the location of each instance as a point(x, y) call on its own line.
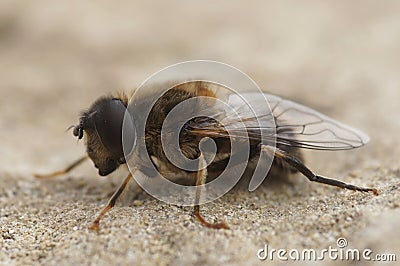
point(65, 171)
point(111, 203)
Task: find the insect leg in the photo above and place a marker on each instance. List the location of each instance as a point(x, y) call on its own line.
point(293, 161)
point(111, 203)
point(201, 180)
point(66, 170)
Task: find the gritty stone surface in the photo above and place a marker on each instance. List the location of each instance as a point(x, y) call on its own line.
point(341, 58)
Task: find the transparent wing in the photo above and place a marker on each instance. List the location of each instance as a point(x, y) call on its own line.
point(290, 124)
point(298, 125)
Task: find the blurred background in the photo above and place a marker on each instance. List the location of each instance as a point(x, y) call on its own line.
point(57, 57)
point(339, 57)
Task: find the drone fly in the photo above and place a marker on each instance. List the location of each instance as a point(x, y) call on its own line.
point(296, 127)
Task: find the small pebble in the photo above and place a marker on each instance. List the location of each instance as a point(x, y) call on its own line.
point(138, 202)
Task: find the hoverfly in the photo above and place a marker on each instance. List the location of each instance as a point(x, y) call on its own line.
point(296, 127)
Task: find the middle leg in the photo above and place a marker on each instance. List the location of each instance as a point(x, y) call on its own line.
point(201, 180)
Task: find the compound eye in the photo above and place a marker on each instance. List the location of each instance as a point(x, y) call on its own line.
point(109, 119)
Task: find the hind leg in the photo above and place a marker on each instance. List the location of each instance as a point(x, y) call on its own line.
point(297, 164)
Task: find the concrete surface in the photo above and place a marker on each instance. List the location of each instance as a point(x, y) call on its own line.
point(341, 58)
